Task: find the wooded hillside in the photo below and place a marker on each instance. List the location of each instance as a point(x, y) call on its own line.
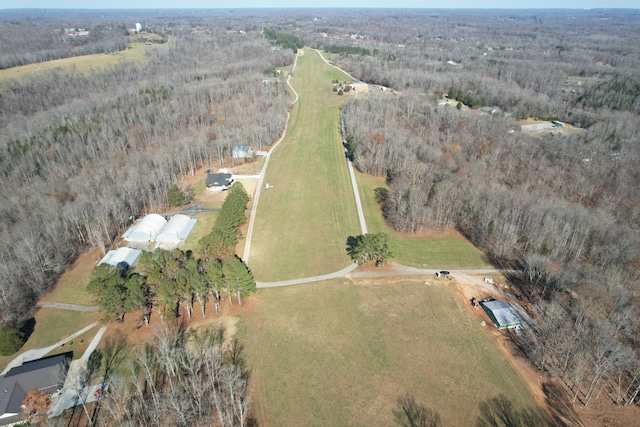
point(561, 206)
point(82, 156)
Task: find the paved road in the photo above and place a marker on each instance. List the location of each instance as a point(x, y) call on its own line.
point(64, 306)
point(396, 270)
point(340, 273)
point(256, 197)
point(72, 391)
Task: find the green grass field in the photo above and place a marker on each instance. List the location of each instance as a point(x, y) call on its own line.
point(53, 325)
point(337, 354)
point(85, 64)
point(446, 251)
point(71, 288)
point(206, 221)
point(303, 222)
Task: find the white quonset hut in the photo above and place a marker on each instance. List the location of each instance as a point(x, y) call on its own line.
point(176, 230)
point(121, 256)
point(146, 230)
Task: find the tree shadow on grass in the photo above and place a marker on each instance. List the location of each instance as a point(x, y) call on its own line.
point(501, 412)
point(28, 327)
point(557, 401)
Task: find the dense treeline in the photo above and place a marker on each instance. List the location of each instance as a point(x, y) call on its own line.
point(563, 207)
point(221, 242)
point(182, 378)
point(285, 40)
point(516, 60)
point(82, 155)
point(349, 50)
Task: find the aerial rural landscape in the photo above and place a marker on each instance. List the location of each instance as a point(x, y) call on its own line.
point(320, 217)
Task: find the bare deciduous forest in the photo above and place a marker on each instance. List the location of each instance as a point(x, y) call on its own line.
point(562, 207)
point(81, 155)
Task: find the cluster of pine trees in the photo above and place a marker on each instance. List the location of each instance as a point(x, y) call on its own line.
point(170, 279)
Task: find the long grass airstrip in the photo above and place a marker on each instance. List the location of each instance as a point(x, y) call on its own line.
point(304, 219)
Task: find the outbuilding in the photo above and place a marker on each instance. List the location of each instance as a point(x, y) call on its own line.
point(501, 314)
point(176, 230)
point(241, 151)
point(146, 230)
point(121, 257)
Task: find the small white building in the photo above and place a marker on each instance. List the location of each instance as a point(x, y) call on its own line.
point(121, 256)
point(241, 151)
point(146, 230)
point(177, 230)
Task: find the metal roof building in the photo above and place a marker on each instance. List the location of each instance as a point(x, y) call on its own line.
point(501, 314)
point(177, 229)
point(121, 256)
point(146, 230)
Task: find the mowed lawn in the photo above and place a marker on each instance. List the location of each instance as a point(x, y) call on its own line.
point(448, 250)
point(52, 325)
point(71, 287)
point(303, 221)
point(338, 354)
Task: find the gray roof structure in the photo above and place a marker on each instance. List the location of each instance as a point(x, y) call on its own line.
point(121, 257)
point(219, 180)
point(146, 229)
point(46, 374)
point(501, 314)
point(177, 229)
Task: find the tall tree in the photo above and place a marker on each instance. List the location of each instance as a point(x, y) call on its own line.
point(237, 278)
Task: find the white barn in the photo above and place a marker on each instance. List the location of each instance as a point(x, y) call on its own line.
point(121, 255)
point(176, 230)
point(146, 230)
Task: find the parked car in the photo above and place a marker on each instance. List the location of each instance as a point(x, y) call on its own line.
point(444, 272)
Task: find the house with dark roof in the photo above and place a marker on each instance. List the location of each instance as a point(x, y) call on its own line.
point(46, 374)
point(219, 181)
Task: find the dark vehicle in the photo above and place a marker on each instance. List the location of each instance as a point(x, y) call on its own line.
point(444, 272)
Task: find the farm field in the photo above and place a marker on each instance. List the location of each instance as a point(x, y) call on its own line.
point(303, 221)
point(449, 250)
point(80, 64)
point(336, 353)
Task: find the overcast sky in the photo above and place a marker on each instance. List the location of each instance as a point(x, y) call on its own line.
point(234, 4)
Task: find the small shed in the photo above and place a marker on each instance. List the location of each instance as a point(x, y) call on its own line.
point(177, 229)
point(241, 151)
point(146, 230)
point(219, 181)
point(121, 257)
point(501, 314)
